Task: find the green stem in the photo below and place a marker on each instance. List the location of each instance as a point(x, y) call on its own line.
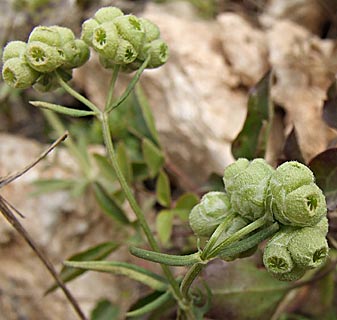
point(130, 87)
point(189, 277)
point(236, 236)
point(133, 203)
point(76, 95)
point(109, 99)
point(216, 234)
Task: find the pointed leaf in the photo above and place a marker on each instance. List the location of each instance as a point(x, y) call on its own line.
point(97, 252)
point(163, 190)
point(164, 222)
point(252, 140)
point(164, 258)
point(52, 185)
point(105, 167)
point(330, 106)
point(132, 271)
point(109, 205)
point(124, 161)
point(105, 310)
point(324, 167)
point(292, 149)
point(147, 113)
point(61, 109)
point(238, 281)
point(153, 157)
point(151, 306)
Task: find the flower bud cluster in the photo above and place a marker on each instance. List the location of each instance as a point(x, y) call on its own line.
point(47, 49)
point(124, 39)
point(288, 196)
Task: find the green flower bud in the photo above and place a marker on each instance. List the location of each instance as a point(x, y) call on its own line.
point(293, 275)
point(205, 217)
point(294, 199)
point(133, 66)
point(158, 51)
point(46, 35)
point(76, 53)
point(43, 57)
point(308, 248)
point(276, 256)
point(126, 53)
point(130, 29)
point(48, 81)
point(14, 49)
point(65, 34)
point(234, 169)
point(107, 14)
point(88, 27)
point(152, 31)
point(106, 40)
point(18, 74)
point(246, 184)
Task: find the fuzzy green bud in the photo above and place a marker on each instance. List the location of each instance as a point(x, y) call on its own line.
point(107, 14)
point(294, 199)
point(43, 57)
point(18, 74)
point(152, 31)
point(65, 34)
point(130, 28)
point(276, 256)
point(293, 275)
point(76, 53)
point(106, 40)
point(246, 184)
point(158, 51)
point(46, 35)
point(308, 247)
point(126, 53)
point(88, 27)
point(14, 49)
point(209, 213)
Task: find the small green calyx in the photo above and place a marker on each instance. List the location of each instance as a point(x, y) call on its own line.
point(14, 49)
point(18, 74)
point(294, 197)
point(246, 184)
point(209, 213)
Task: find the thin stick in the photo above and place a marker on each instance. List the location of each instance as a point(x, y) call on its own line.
point(12, 177)
point(10, 217)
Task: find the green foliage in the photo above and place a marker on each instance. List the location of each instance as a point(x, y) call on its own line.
point(105, 310)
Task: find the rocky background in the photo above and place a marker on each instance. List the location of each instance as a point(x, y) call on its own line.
point(199, 100)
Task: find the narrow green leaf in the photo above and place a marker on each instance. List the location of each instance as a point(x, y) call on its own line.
point(147, 113)
point(163, 190)
point(132, 271)
point(52, 185)
point(109, 205)
point(164, 222)
point(105, 310)
point(252, 140)
point(61, 109)
point(124, 161)
point(153, 157)
point(153, 305)
point(168, 259)
point(97, 252)
point(105, 167)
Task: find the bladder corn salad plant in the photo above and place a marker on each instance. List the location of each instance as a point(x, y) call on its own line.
point(282, 207)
